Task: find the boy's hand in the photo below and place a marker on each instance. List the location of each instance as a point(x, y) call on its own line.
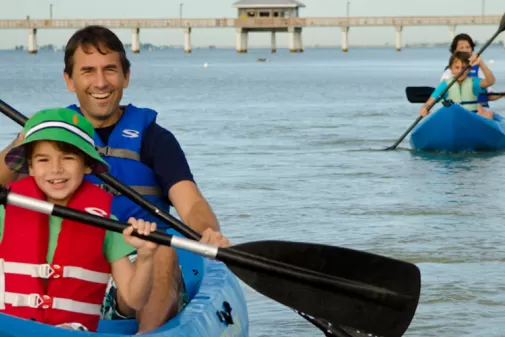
point(424, 112)
point(145, 249)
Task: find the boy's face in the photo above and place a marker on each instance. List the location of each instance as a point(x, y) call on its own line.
point(57, 174)
point(456, 67)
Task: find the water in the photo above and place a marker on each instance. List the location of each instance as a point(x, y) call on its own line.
point(289, 149)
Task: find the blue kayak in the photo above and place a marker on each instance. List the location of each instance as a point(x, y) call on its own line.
point(455, 129)
point(217, 308)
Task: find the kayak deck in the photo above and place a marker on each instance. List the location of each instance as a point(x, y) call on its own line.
point(455, 129)
point(212, 290)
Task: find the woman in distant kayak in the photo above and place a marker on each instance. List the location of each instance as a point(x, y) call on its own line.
point(465, 91)
point(464, 43)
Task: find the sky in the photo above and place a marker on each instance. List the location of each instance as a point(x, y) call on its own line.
point(225, 37)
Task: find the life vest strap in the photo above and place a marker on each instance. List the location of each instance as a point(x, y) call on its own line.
point(45, 302)
point(118, 153)
point(142, 190)
point(53, 271)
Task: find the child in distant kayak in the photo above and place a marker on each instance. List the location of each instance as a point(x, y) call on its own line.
point(463, 42)
point(466, 90)
point(54, 270)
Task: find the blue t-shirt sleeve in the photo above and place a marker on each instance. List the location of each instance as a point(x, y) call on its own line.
point(438, 90)
point(163, 154)
point(477, 90)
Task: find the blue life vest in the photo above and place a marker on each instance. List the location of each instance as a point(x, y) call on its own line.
point(122, 153)
point(474, 72)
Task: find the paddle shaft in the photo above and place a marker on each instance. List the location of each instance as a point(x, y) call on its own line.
point(364, 291)
point(422, 94)
point(138, 199)
point(430, 106)
point(161, 214)
point(493, 94)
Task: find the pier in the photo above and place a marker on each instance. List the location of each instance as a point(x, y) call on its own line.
point(293, 26)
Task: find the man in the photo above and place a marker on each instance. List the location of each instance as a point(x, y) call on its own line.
point(141, 153)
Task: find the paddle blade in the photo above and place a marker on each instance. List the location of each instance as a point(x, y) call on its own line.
point(339, 308)
point(418, 94)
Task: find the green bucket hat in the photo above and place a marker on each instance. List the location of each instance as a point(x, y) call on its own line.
point(60, 125)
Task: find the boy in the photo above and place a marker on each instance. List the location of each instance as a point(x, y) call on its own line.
point(58, 275)
point(466, 90)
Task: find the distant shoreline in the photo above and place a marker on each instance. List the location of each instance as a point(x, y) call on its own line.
point(147, 47)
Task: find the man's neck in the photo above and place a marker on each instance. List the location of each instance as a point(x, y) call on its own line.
point(103, 123)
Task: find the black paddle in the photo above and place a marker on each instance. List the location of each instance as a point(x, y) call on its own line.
point(418, 94)
point(164, 216)
point(493, 94)
point(372, 293)
point(422, 94)
point(140, 200)
point(501, 28)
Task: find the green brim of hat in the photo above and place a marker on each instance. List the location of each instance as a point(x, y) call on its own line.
point(16, 157)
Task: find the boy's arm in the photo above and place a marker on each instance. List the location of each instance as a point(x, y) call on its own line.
point(133, 281)
point(424, 109)
point(438, 90)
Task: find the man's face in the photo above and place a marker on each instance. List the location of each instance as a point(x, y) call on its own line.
point(98, 81)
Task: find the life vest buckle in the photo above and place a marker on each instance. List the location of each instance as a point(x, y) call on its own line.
point(40, 302)
point(50, 271)
point(104, 151)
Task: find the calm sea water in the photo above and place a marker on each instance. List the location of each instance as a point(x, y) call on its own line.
point(289, 149)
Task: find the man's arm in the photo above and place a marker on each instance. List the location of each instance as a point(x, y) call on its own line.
point(162, 152)
point(192, 207)
point(6, 175)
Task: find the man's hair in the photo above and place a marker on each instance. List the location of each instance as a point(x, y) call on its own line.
point(461, 37)
point(461, 56)
point(99, 38)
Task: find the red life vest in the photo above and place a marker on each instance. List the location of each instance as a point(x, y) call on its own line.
point(72, 288)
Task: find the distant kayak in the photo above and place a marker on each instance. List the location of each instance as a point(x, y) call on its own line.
point(455, 129)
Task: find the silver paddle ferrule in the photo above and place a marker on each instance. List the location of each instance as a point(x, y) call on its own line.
point(194, 246)
point(30, 203)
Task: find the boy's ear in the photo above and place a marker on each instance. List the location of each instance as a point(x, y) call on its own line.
point(88, 170)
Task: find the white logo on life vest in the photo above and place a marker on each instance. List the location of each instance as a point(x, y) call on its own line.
point(96, 211)
point(130, 133)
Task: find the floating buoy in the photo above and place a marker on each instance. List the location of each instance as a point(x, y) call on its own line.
point(205, 65)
